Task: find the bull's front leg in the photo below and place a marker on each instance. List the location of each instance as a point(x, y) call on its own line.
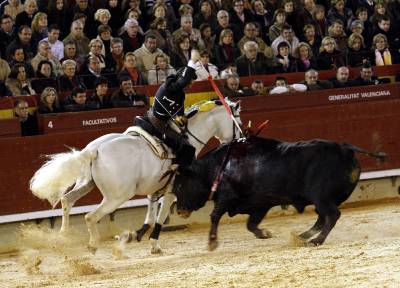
point(216, 215)
point(252, 224)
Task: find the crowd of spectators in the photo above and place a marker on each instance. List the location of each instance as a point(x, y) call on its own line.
point(60, 47)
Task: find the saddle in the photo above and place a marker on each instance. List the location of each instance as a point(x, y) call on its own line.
point(144, 129)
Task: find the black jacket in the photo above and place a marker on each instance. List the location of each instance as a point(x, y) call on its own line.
point(119, 99)
point(170, 97)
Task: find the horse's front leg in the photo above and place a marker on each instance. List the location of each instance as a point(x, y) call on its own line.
point(152, 207)
point(218, 211)
point(168, 199)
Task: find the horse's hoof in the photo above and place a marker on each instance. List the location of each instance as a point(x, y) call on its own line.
point(212, 245)
point(92, 249)
point(156, 250)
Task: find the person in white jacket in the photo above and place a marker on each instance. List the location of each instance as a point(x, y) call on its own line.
point(204, 68)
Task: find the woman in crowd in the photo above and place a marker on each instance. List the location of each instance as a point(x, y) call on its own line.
point(312, 39)
point(69, 79)
point(49, 101)
point(338, 11)
point(96, 47)
point(101, 17)
point(159, 29)
point(329, 56)
point(304, 58)
point(26, 16)
point(205, 15)
point(181, 54)
point(161, 70)
point(17, 83)
point(278, 21)
point(283, 62)
point(17, 55)
point(207, 39)
point(380, 10)
point(263, 17)
point(336, 31)
point(45, 77)
point(357, 55)
point(320, 21)
point(383, 54)
point(131, 36)
point(57, 14)
point(39, 28)
point(13, 8)
point(131, 70)
point(226, 51)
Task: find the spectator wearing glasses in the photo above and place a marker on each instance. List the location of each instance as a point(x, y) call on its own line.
point(6, 33)
point(330, 57)
point(240, 15)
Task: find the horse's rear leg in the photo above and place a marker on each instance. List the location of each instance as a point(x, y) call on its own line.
point(107, 206)
point(68, 200)
point(162, 215)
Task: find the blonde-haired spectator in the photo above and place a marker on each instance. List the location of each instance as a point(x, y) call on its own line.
point(26, 16)
point(39, 27)
point(160, 71)
point(330, 57)
point(357, 55)
point(96, 46)
point(13, 8)
point(49, 102)
point(383, 54)
point(305, 59)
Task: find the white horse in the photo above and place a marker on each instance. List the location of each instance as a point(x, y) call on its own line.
point(122, 166)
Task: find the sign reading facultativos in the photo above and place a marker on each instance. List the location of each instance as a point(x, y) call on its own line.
point(101, 121)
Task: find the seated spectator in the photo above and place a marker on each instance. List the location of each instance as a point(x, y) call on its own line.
point(115, 60)
point(158, 28)
point(357, 55)
point(283, 62)
point(70, 54)
point(26, 16)
point(160, 71)
point(205, 14)
point(287, 35)
point(126, 96)
point(69, 80)
point(56, 46)
point(186, 28)
point(13, 8)
point(312, 39)
point(204, 68)
point(367, 78)
point(233, 89)
point(101, 17)
point(362, 16)
point(225, 51)
point(379, 11)
point(279, 20)
point(18, 56)
point(4, 73)
point(313, 83)
point(228, 70)
point(304, 58)
point(6, 33)
point(383, 54)
point(92, 72)
point(100, 99)
point(181, 54)
point(76, 101)
point(340, 12)
point(49, 101)
point(330, 57)
point(104, 35)
point(207, 39)
point(257, 88)
point(386, 27)
point(342, 78)
point(78, 37)
point(44, 53)
point(250, 35)
point(96, 46)
point(252, 62)
point(17, 83)
point(44, 77)
point(28, 122)
point(146, 54)
point(23, 39)
point(39, 28)
point(321, 21)
point(131, 36)
point(131, 70)
point(281, 85)
point(336, 31)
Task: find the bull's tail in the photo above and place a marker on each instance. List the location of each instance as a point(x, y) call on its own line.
point(380, 155)
point(59, 173)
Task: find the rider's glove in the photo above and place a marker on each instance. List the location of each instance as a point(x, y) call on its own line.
point(181, 121)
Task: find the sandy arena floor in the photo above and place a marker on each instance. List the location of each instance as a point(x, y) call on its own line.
point(363, 250)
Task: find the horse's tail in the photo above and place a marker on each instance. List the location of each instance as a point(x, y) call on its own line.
point(60, 172)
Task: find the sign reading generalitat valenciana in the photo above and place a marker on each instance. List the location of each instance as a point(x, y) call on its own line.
point(359, 95)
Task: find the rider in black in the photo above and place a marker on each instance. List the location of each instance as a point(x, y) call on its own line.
point(169, 104)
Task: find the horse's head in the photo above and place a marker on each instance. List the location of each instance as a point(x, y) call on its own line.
point(215, 121)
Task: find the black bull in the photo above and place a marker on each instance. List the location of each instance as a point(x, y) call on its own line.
point(262, 173)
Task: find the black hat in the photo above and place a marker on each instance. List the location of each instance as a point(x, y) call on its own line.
point(181, 72)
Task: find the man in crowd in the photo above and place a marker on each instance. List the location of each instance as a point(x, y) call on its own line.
point(56, 46)
point(28, 122)
point(126, 96)
point(313, 83)
point(342, 78)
